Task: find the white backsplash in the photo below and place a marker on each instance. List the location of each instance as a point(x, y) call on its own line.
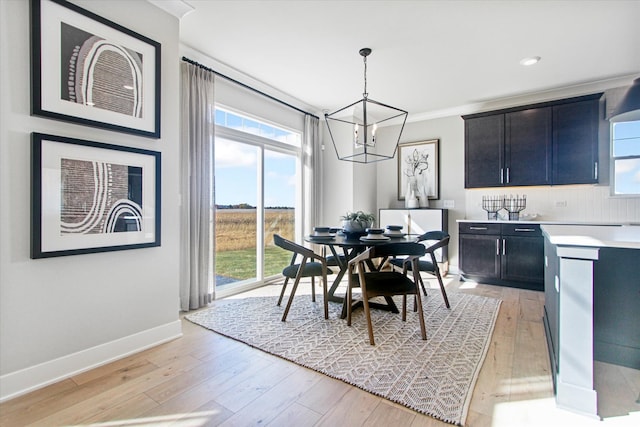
point(580, 203)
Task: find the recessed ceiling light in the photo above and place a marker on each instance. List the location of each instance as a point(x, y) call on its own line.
point(530, 60)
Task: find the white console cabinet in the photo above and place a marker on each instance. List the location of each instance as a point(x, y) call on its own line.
point(418, 221)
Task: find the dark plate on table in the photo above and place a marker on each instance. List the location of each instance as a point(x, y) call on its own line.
point(321, 238)
point(353, 235)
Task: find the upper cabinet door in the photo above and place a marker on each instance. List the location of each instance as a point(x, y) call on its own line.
point(484, 151)
point(528, 147)
point(575, 143)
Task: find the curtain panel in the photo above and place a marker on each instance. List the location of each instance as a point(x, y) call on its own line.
point(197, 215)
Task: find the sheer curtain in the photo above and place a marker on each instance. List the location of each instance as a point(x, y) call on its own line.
point(312, 172)
point(197, 136)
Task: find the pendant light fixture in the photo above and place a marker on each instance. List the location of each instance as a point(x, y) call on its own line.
point(366, 131)
point(628, 109)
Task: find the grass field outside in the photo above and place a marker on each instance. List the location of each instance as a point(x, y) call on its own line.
point(235, 237)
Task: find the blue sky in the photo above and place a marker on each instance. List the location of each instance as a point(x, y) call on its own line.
point(626, 142)
point(236, 175)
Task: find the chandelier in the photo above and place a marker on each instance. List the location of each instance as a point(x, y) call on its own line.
point(366, 131)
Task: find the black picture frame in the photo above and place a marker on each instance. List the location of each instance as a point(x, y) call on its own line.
point(407, 153)
point(89, 197)
point(88, 70)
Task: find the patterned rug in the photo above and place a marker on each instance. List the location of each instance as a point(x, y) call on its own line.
point(435, 377)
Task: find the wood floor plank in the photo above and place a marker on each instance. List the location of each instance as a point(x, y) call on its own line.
point(107, 398)
point(352, 410)
point(323, 395)
point(387, 414)
point(295, 415)
point(276, 400)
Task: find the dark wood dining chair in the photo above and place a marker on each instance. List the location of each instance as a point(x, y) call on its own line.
point(311, 265)
point(384, 282)
point(439, 239)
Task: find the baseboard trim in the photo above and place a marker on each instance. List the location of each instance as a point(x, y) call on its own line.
point(29, 379)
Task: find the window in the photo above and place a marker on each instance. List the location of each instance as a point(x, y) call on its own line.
point(625, 158)
point(257, 193)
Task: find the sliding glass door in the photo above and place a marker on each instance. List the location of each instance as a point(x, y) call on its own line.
point(257, 193)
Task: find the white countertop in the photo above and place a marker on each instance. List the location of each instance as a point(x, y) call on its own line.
point(533, 221)
point(625, 236)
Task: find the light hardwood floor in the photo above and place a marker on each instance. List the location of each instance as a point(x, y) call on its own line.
point(204, 379)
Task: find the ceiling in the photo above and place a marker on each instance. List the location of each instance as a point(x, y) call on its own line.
point(428, 56)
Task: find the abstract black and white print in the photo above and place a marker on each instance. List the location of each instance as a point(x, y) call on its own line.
point(99, 197)
point(99, 73)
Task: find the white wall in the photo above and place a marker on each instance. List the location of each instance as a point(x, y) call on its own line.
point(66, 314)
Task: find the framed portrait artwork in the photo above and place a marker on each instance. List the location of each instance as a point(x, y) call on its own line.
point(88, 70)
point(92, 197)
point(418, 164)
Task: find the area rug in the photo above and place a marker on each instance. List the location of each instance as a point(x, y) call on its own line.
point(434, 377)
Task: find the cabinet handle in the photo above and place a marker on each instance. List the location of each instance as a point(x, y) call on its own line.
point(595, 170)
point(504, 247)
point(497, 247)
point(501, 176)
point(524, 229)
point(477, 228)
point(508, 178)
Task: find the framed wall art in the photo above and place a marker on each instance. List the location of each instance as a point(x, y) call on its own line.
point(92, 197)
point(88, 70)
point(418, 166)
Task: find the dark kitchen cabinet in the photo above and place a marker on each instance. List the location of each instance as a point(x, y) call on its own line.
point(502, 254)
point(575, 143)
point(484, 151)
point(540, 144)
point(528, 147)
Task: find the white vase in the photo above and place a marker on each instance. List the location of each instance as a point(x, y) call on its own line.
point(423, 192)
point(410, 196)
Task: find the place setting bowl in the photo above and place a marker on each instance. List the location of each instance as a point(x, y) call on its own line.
point(374, 234)
point(322, 234)
point(394, 231)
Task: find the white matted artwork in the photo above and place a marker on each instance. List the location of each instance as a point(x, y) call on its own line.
point(419, 161)
point(92, 197)
point(92, 71)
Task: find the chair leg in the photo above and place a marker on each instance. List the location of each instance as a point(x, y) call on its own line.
point(418, 302)
point(325, 296)
point(293, 292)
point(284, 287)
point(422, 285)
point(313, 289)
point(423, 328)
point(404, 307)
point(367, 313)
point(348, 300)
point(444, 293)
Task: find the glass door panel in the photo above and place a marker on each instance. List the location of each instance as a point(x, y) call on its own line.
point(280, 201)
point(236, 201)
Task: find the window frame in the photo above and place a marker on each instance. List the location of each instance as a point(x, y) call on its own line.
point(612, 163)
point(262, 143)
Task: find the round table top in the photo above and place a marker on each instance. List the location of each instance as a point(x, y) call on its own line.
point(340, 239)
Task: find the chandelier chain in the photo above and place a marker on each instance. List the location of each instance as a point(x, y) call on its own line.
point(365, 94)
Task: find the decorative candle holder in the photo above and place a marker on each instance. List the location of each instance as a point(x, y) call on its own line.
point(492, 204)
point(514, 205)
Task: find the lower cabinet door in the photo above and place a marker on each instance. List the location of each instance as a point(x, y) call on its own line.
point(523, 259)
point(479, 255)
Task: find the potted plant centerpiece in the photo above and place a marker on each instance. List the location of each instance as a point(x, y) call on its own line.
point(357, 222)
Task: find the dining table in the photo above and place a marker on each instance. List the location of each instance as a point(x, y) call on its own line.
point(349, 245)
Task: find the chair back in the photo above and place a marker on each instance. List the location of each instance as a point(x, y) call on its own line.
point(397, 249)
point(294, 247)
point(442, 239)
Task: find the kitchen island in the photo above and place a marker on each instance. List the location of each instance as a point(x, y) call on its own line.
point(592, 301)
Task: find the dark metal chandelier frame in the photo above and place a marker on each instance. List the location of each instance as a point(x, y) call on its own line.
point(364, 133)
